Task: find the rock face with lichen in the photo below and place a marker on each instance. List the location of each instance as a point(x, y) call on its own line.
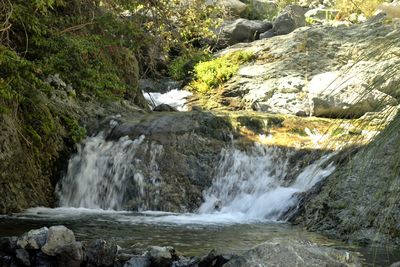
point(360, 200)
point(326, 71)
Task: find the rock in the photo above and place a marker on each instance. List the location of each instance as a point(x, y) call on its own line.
point(396, 264)
point(8, 244)
point(138, 261)
point(337, 95)
point(69, 255)
point(56, 81)
point(162, 256)
point(242, 30)
point(301, 113)
point(278, 80)
point(165, 108)
point(234, 7)
point(214, 259)
point(41, 259)
point(263, 9)
point(290, 19)
point(392, 10)
point(101, 253)
point(293, 252)
point(22, 256)
point(192, 262)
point(267, 34)
point(34, 239)
point(162, 85)
point(321, 14)
point(58, 236)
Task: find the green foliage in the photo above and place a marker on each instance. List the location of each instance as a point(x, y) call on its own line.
point(211, 74)
point(76, 132)
point(182, 66)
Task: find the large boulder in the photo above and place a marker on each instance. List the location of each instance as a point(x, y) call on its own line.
point(293, 252)
point(290, 19)
point(242, 30)
point(311, 71)
point(58, 236)
point(161, 256)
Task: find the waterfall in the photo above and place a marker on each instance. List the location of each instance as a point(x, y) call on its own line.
point(259, 183)
point(103, 173)
point(253, 184)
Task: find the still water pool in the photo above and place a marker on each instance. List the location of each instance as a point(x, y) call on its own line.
point(191, 234)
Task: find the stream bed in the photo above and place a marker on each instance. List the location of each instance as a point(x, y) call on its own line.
point(190, 234)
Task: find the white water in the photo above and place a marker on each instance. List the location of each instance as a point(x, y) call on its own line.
point(175, 98)
point(98, 174)
point(253, 183)
point(248, 186)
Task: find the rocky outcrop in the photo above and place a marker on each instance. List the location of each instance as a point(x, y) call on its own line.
point(242, 31)
point(338, 72)
point(359, 201)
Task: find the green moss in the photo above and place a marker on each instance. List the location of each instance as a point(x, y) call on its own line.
point(212, 74)
point(76, 132)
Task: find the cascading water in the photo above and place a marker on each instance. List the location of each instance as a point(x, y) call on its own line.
point(101, 172)
point(248, 185)
point(252, 184)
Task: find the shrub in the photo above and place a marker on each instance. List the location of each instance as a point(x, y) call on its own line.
point(211, 74)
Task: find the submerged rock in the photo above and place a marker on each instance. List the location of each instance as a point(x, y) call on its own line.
point(293, 252)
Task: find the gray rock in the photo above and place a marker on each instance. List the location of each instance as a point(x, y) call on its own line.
point(22, 256)
point(192, 262)
point(234, 7)
point(138, 261)
point(215, 259)
point(69, 255)
point(293, 252)
point(243, 30)
point(161, 256)
point(396, 264)
point(290, 19)
point(162, 85)
point(41, 259)
point(321, 14)
point(165, 108)
point(101, 253)
point(8, 244)
point(267, 34)
point(56, 81)
point(34, 239)
point(58, 236)
point(263, 9)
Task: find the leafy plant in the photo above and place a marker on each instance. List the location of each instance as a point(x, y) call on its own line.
point(211, 74)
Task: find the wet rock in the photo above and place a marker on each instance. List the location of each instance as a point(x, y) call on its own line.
point(58, 236)
point(161, 256)
point(293, 252)
point(8, 244)
point(215, 259)
point(165, 108)
point(34, 239)
point(100, 253)
point(192, 262)
point(138, 261)
point(69, 255)
point(158, 85)
point(243, 30)
point(290, 19)
point(41, 259)
point(22, 256)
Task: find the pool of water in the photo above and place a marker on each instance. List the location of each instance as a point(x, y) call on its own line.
point(191, 234)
